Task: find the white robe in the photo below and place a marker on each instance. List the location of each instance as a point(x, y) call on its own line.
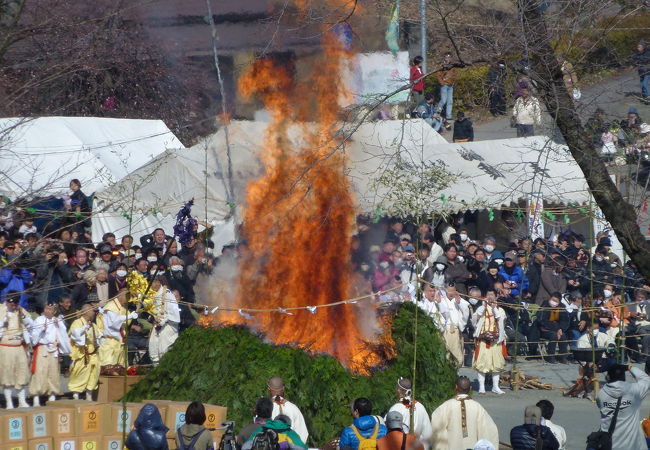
point(446, 422)
point(421, 421)
point(297, 420)
point(437, 311)
point(52, 333)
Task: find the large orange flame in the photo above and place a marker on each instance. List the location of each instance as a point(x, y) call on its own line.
point(299, 217)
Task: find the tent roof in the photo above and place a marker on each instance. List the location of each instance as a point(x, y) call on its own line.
point(40, 155)
point(494, 173)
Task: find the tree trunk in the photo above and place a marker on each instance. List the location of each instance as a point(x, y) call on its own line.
point(559, 102)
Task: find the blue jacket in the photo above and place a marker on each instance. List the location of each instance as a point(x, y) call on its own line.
point(365, 425)
point(518, 277)
point(149, 431)
point(15, 280)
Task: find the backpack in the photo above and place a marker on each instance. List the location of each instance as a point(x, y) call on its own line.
point(266, 439)
point(190, 446)
point(602, 440)
point(367, 443)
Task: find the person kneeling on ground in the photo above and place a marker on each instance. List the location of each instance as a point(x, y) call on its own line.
point(149, 432)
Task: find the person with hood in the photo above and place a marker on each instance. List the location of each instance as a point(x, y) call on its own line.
point(193, 435)
point(459, 422)
point(532, 432)
point(364, 427)
point(287, 438)
point(397, 438)
point(490, 276)
point(149, 432)
point(627, 433)
point(513, 276)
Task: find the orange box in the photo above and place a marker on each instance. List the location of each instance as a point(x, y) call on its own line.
point(40, 444)
point(90, 419)
point(214, 417)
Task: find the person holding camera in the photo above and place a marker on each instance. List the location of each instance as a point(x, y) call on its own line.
point(621, 399)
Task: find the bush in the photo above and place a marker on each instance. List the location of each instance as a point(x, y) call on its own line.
point(230, 366)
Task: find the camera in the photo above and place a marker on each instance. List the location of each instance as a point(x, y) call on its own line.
point(228, 441)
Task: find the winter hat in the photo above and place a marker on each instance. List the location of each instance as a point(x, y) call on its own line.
point(409, 248)
point(633, 110)
point(493, 265)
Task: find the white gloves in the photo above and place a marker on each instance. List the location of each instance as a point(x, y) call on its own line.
point(133, 315)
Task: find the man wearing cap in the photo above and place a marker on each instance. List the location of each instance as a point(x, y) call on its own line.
point(524, 437)
point(49, 337)
point(513, 275)
point(642, 62)
point(397, 438)
point(85, 341)
point(105, 260)
point(404, 407)
point(281, 405)
point(459, 422)
point(111, 322)
point(14, 337)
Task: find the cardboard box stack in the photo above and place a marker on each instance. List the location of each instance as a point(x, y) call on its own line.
point(82, 425)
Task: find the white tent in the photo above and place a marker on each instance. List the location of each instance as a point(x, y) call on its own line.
point(491, 174)
point(39, 156)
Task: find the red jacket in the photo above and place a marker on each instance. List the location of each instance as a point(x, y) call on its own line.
point(416, 72)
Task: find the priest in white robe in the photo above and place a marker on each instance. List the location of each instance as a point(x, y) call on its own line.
point(283, 406)
point(406, 405)
point(49, 336)
point(460, 422)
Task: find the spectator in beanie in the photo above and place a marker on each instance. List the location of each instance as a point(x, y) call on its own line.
point(463, 129)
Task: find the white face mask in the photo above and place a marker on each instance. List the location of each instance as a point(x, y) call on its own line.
point(121, 273)
point(553, 303)
point(176, 268)
point(138, 255)
point(599, 258)
point(472, 300)
point(153, 272)
point(440, 267)
point(152, 259)
point(463, 237)
point(489, 248)
point(65, 260)
point(607, 293)
point(460, 259)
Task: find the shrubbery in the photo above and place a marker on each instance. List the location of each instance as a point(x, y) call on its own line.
point(230, 367)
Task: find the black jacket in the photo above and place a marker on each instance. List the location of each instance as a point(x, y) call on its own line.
point(463, 129)
point(523, 437)
point(544, 318)
point(495, 77)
